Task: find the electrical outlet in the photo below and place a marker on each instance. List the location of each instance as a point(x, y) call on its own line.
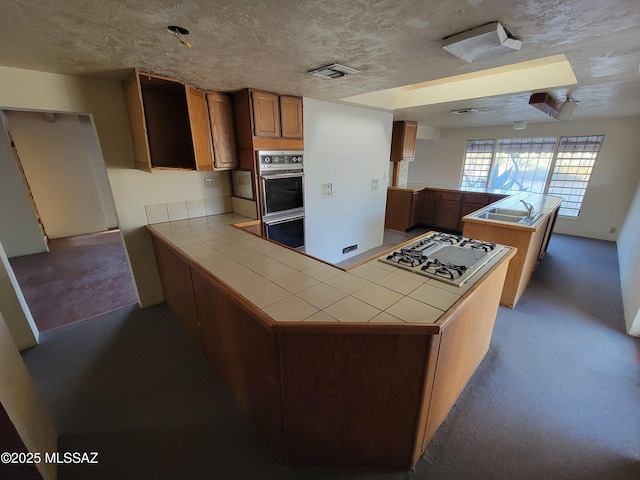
point(374, 184)
point(211, 182)
point(326, 189)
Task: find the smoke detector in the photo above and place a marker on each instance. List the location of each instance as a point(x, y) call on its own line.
point(332, 71)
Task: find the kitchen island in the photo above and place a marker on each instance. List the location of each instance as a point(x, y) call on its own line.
point(468, 210)
point(335, 367)
point(529, 237)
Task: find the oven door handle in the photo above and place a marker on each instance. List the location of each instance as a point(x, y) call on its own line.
point(283, 219)
point(281, 175)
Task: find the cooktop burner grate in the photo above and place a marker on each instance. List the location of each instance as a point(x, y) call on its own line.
point(445, 257)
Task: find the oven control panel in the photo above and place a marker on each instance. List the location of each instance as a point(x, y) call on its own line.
point(278, 160)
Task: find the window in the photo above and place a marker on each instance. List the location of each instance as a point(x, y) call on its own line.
point(477, 163)
point(541, 165)
point(572, 171)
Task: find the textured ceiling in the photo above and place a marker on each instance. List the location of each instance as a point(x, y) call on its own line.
point(272, 44)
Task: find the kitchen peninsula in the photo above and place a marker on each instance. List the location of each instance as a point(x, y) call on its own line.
point(335, 367)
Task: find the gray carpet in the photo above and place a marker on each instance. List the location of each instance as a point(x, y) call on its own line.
point(556, 397)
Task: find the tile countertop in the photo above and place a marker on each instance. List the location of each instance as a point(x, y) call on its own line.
point(544, 204)
point(416, 187)
point(292, 287)
point(541, 203)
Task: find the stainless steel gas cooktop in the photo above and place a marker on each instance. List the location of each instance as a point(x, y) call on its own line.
point(449, 258)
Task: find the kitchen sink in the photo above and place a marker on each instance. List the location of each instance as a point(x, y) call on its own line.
point(508, 211)
point(520, 217)
point(502, 217)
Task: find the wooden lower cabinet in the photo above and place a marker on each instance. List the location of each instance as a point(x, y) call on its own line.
point(448, 211)
point(352, 400)
point(398, 214)
point(441, 209)
point(243, 353)
point(336, 394)
point(175, 276)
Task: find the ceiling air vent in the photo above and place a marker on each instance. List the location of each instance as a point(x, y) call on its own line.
point(332, 71)
point(464, 111)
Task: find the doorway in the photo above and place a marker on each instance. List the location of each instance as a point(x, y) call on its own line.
point(80, 270)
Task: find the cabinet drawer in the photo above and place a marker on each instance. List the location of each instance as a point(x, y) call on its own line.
point(453, 196)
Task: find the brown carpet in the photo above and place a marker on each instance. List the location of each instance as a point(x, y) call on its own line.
point(556, 398)
point(81, 277)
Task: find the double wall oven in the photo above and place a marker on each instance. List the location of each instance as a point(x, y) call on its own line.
point(282, 196)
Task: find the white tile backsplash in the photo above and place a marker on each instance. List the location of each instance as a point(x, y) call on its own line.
point(173, 211)
point(196, 208)
point(177, 211)
point(214, 206)
point(157, 213)
point(244, 207)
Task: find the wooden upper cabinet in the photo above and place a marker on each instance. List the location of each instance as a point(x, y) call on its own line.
point(137, 124)
point(200, 128)
point(266, 114)
point(266, 121)
point(403, 141)
point(169, 123)
point(225, 156)
point(291, 116)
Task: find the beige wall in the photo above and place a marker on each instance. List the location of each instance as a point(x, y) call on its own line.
point(20, 399)
point(14, 307)
point(20, 233)
point(54, 153)
point(132, 189)
point(613, 183)
point(629, 259)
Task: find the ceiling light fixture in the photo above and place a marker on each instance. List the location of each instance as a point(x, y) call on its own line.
point(567, 108)
point(332, 71)
point(520, 125)
point(481, 43)
point(179, 33)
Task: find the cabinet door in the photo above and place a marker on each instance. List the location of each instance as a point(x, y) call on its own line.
point(429, 207)
point(266, 114)
point(417, 206)
point(448, 211)
point(403, 141)
point(291, 116)
point(200, 128)
point(175, 276)
point(137, 123)
point(409, 140)
point(223, 134)
point(398, 213)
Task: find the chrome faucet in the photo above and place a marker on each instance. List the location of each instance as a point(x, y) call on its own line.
point(529, 208)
